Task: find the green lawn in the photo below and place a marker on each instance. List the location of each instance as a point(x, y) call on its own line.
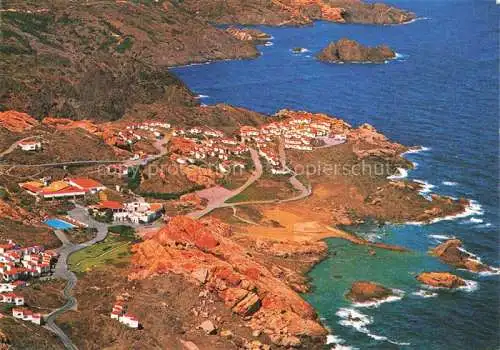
point(113, 250)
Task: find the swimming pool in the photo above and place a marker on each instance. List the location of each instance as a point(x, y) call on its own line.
point(59, 224)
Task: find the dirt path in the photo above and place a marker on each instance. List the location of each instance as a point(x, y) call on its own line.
point(14, 146)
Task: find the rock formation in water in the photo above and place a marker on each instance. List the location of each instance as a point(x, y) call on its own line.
point(346, 50)
point(451, 252)
point(366, 291)
point(441, 279)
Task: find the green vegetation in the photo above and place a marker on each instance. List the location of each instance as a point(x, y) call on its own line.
point(124, 231)
point(3, 193)
point(134, 177)
point(114, 250)
point(104, 216)
point(125, 44)
point(171, 195)
point(253, 193)
point(35, 24)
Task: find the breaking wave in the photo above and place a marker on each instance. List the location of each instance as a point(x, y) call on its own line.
point(398, 295)
point(401, 174)
point(449, 183)
point(424, 293)
point(415, 150)
point(426, 188)
point(353, 318)
point(474, 208)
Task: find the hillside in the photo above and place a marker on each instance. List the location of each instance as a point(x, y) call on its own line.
point(295, 12)
point(96, 60)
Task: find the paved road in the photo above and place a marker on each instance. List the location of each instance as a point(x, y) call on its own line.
point(62, 271)
point(219, 201)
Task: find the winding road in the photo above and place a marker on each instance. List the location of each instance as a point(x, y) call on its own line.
point(62, 271)
point(219, 201)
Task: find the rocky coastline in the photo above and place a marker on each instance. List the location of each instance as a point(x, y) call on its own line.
point(257, 280)
point(350, 51)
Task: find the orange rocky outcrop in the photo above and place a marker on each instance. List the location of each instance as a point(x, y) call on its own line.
point(65, 124)
point(182, 145)
point(441, 279)
point(451, 252)
point(365, 291)
point(17, 121)
point(366, 137)
point(203, 252)
point(201, 176)
point(191, 200)
point(247, 34)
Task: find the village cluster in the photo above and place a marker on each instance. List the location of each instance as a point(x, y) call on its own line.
point(136, 212)
point(203, 144)
point(299, 132)
point(18, 264)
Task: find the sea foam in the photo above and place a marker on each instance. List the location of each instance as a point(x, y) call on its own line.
point(474, 208)
point(424, 294)
point(398, 295)
point(400, 174)
point(415, 150)
point(426, 188)
point(337, 342)
point(449, 183)
point(353, 318)
point(441, 237)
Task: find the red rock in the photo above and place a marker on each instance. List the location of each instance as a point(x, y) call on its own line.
point(346, 50)
point(17, 121)
point(451, 252)
point(441, 279)
point(185, 245)
point(364, 291)
point(248, 305)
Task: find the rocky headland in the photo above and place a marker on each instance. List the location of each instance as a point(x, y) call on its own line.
point(452, 252)
point(297, 12)
point(249, 34)
point(350, 51)
point(203, 252)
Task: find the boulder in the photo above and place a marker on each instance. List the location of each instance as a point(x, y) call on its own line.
point(249, 305)
point(189, 345)
point(201, 275)
point(365, 291)
point(441, 279)
point(346, 50)
point(208, 327)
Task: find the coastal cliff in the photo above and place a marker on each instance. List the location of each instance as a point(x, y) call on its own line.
point(296, 12)
point(346, 50)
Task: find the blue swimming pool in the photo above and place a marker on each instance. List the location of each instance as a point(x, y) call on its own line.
point(59, 224)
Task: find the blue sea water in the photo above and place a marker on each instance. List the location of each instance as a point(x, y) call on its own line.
point(442, 93)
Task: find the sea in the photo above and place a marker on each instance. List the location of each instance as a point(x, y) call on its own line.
point(440, 93)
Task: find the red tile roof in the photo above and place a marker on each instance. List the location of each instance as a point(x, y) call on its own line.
point(85, 183)
point(110, 205)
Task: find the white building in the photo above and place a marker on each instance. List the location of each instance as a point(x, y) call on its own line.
point(30, 145)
